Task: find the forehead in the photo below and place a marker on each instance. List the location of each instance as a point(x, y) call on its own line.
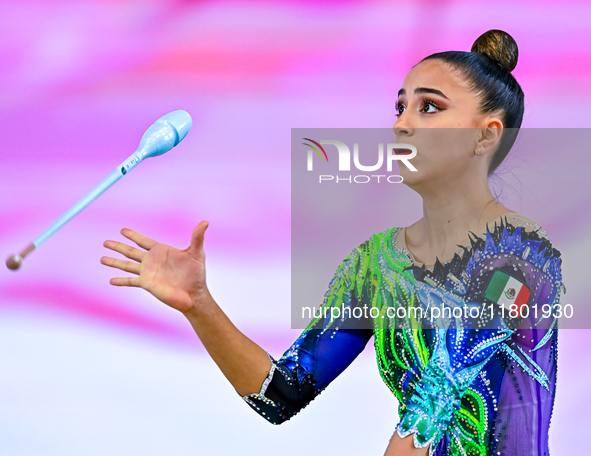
point(436, 74)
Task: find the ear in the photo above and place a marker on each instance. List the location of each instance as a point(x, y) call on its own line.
point(490, 135)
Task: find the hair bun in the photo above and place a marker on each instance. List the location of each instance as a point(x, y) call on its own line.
point(499, 46)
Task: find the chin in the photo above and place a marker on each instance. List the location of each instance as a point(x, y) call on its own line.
point(416, 179)
point(409, 177)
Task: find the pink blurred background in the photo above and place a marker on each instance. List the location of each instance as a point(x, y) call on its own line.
point(90, 369)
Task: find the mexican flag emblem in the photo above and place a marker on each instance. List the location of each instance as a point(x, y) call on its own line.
point(506, 290)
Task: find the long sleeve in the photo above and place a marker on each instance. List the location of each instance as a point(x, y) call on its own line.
point(324, 349)
point(507, 282)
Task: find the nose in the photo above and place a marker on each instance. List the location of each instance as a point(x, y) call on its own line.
point(401, 127)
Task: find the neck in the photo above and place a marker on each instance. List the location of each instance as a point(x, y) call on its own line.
point(450, 211)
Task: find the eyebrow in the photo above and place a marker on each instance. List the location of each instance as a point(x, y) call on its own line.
point(420, 90)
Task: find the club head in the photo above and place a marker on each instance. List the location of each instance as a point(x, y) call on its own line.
point(164, 134)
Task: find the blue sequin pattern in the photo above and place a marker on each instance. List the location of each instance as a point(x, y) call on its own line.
point(465, 386)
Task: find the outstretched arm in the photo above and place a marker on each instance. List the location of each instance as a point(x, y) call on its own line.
point(177, 278)
point(323, 350)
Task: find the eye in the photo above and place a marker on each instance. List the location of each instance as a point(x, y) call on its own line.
point(426, 103)
point(429, 107)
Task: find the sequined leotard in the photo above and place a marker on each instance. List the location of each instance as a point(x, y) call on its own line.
point(465, 386)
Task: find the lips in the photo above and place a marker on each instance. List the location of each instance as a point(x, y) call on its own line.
point(402, 151)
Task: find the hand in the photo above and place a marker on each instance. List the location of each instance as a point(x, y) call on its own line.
point(404, 447)
point(176, 277)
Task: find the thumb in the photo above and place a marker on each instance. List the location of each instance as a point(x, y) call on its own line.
point(197, 237)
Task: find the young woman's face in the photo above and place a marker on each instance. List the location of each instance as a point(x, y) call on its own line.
point(439, 115)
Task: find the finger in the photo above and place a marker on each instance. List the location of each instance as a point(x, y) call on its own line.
point(197, 238)
point(125, 282)
point(126, 266)
point(141, 240)
point(124, 249)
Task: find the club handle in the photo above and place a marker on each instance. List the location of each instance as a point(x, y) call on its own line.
point(81, 204)
point(97, 191)
point(14, 262)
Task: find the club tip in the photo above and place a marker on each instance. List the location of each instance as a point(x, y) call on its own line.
point(182, 122)
point(14, 262)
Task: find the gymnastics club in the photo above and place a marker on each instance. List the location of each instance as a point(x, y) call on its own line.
point(166, 133)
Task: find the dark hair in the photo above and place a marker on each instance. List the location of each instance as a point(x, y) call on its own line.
point(487, 68)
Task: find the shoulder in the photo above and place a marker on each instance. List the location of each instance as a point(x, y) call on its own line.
point(518, 240)
point(533, 236)
point(377, 244)
point(379, 240)
point(526, 223)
